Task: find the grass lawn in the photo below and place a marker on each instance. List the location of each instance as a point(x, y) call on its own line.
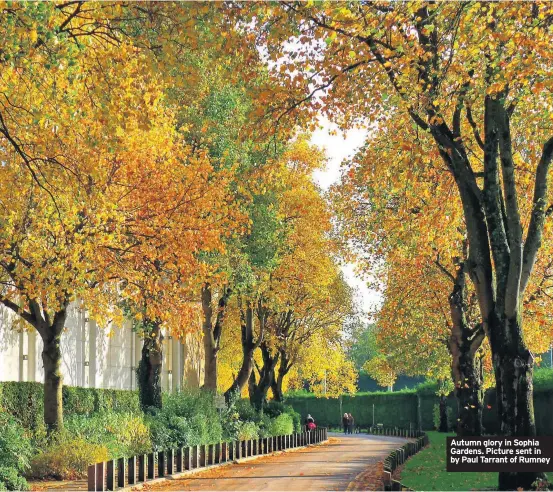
point(426, 470)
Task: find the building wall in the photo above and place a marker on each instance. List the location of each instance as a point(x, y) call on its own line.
point(93, 356)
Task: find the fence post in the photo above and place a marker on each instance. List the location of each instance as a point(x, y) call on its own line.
point(131, 470)
point(110, 485)
point(180, 459)
point(92, 478)
point(151, 466)
point(141, 468)
point(203, 457)
point(238, 450)
point(121, 472)
point(161, 464)
point(170, 461)
point(196, 456)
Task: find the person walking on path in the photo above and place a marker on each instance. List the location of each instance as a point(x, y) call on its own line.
point(310, 422)
point(351, 423)
point(345, 423)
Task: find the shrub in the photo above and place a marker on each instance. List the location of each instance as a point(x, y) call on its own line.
point(186, 419)
point(11, 480)
point(123, 434)
point(15, 447)
point(246, 411)
point(15, 454)
point(248, 430)
point(281, 425)
point(67, 458)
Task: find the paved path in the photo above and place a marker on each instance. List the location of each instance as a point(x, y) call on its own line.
point(331, 466)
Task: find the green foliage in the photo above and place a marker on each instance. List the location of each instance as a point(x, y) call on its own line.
point(123, 434)
point(11, 480)
point(24, 400)
point(391, 409)
point(15, 454)
point(449, 417)
point(282, 425)
point(363, 342)
point(186, 419)
point(67, 458)
point(248, 430)
point(543, 379)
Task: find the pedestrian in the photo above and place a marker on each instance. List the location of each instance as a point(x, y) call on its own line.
point(345, 423)
point(310, 422)
point(351, 423)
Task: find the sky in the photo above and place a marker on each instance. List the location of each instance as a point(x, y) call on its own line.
point(338, 147)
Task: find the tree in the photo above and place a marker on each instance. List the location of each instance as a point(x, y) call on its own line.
point(72, 222)
point(469, 75)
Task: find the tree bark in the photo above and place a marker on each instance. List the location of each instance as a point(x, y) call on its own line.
point(248, 348)
point(513, 368)
point(466, 368)
point(443, 427)
point(259, 390)
point(149, 369)
point(283, 369)
point(212, 332)
point(53, 380)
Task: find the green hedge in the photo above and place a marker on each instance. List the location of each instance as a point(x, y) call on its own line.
point(25, 401)
point(399, 408)
point(416, 407)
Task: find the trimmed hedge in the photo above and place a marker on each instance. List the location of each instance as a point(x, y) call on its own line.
point(416, 407)
point(24, 400)
point(390, 409)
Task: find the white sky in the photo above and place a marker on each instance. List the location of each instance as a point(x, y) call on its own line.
point(338, 147)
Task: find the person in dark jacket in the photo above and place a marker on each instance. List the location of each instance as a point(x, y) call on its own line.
point(345, 423)
point(351, 423)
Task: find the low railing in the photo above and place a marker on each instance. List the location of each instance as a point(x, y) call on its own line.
point(401, 454)
point(395, 432)
point(122, 472)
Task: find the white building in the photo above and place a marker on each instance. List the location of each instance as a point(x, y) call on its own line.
point(95, 357)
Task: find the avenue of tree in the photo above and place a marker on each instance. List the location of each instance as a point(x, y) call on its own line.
point(156, 166)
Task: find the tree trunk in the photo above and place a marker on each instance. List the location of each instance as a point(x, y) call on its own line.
point(51, 359)
point(443, 427)
point(466, 369)
point(470, 395)
point(212, 334)
point(149, 369)
point(276, 388)
point(53, 380)
point(513, 367)
point(283, 369)
point(248, 349)
point(258, 391)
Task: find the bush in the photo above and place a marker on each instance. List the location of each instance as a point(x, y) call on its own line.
point(248, 430)
point(282, 425)
point(15, 454)
point(11, 480)
point(123, 434)
point(187, 418)
point(67, 458)
point(246, 411)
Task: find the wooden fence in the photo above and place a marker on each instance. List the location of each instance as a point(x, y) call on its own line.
point(123, 472)
point(400, 455)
